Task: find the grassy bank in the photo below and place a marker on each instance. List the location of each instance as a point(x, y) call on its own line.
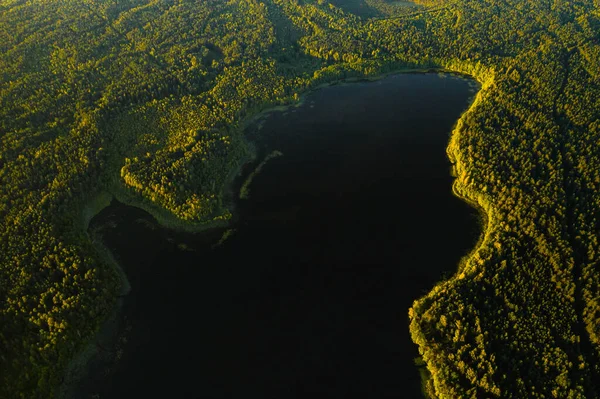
point(245, 189)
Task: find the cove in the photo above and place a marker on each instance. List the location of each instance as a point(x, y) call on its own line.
point(309, 293)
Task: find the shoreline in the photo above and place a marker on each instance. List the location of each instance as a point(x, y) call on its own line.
point(474, 200)
point(78, 368)
point(485, 222)
point(485, 218)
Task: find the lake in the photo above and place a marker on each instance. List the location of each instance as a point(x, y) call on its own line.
point(310, 295)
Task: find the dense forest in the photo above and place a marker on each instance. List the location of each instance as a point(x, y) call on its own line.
point(146, 100)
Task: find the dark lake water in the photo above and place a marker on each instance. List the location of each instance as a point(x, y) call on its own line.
point(310, 296)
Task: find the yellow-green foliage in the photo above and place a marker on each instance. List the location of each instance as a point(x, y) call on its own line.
point(147, 97)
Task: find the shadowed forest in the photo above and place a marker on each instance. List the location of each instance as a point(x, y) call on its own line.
point(147, 100)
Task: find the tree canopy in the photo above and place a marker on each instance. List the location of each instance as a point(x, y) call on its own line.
point(147, 98)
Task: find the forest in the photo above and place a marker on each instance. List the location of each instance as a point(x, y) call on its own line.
point(146, 99)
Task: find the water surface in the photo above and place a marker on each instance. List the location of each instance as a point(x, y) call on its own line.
point(310, 295)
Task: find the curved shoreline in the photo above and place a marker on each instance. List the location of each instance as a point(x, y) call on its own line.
point(78, 367)
point(484, 209)
point(485, 212)
point(485, 223)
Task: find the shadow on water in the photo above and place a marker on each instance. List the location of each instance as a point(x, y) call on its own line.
point(310, 295)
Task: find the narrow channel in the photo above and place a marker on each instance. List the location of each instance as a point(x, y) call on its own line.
point(309, 296)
